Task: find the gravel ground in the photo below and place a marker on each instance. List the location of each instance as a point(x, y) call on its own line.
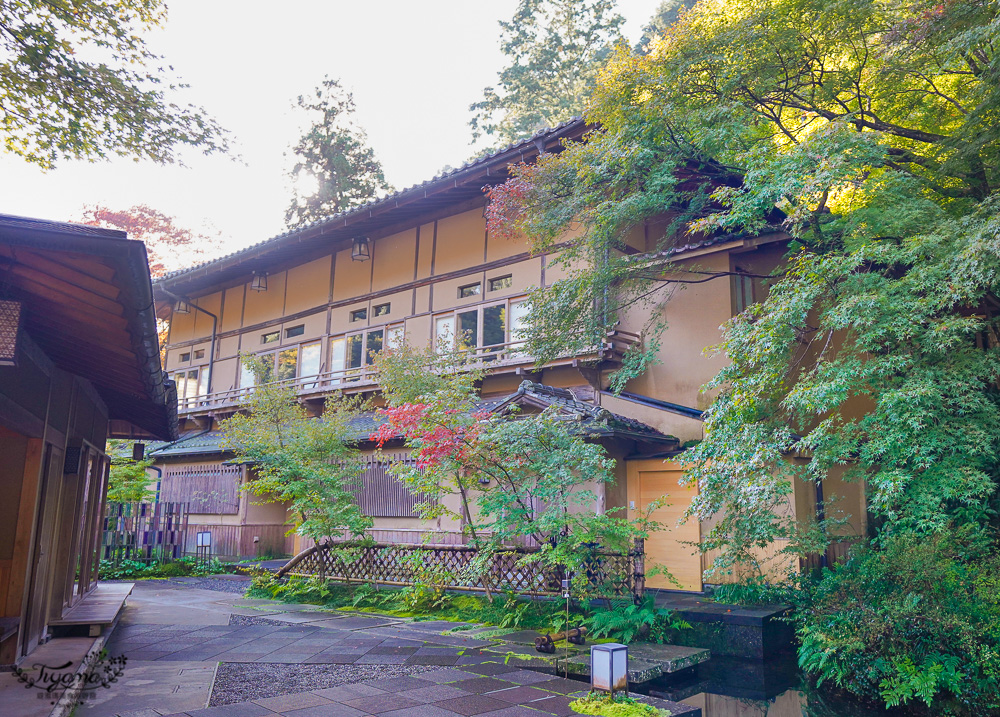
point(222, 585)
point(242, 681)
point(251, 620)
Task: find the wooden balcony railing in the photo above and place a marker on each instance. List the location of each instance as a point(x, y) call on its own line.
point(354, 379)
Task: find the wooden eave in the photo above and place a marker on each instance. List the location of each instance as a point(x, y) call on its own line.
point(87, 302)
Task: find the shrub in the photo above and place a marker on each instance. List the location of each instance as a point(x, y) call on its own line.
point(917, 620)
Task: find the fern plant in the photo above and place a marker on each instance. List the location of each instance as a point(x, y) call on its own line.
point(625, 621)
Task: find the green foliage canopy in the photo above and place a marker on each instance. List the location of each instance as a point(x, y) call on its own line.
point(128, 481)
point(554, 49)
point(872, 127)
point(310, 462)
point(79, 83)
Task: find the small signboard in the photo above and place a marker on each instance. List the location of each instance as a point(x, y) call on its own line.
point(205, 539)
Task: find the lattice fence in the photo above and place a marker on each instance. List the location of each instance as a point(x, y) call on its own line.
point(608, 574)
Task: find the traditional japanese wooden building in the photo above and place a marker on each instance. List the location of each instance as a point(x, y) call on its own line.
point(317, 302)
point(79, 363)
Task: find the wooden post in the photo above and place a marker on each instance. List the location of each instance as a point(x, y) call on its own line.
point(639, 569)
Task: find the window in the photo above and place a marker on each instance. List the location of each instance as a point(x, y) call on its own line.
point(309, 362)
point(498, 283)
point(487, 328)
point(382, 309)
point(186, 357)
point(395, 336)
point(359, 315)
point(469, 290)
point(742, 292)
point(199, 354)
point(444, 332)
point(286, 364)
point(350, 353)
point(294, 331)
point(270, 338)
point(191, 383)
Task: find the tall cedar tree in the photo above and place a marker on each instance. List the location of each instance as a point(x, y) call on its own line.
point(80, 83)
point(334, 153)
point(554, 50)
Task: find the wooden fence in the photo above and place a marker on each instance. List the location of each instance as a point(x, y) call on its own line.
point(146, 532)
point(448, 566)
point(237, 541)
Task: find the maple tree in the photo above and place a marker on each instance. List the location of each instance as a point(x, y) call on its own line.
point(79, 82)
point(168, 246)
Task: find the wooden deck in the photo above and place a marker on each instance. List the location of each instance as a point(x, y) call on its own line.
point(100, 607)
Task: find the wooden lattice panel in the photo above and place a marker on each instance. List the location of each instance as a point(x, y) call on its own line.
point(449, 566)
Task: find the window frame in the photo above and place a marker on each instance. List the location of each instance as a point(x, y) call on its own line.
point(453, 316)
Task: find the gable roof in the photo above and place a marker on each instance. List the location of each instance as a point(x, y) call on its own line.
point(592, 418)
point(380, 215)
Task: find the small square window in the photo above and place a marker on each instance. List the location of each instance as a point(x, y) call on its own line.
point(270, 338)
point(382, 309)
point(359, 314)
point(199, 354)
point(469, 290)
point(186, 357)
point(295, 331)
point(501, 282)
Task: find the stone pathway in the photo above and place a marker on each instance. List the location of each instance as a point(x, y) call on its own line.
point(346, 664)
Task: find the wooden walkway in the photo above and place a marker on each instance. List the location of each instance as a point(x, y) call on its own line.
point(99, 607)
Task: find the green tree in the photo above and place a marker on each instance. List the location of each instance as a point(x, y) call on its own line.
point(312, 463)
point(335, 155)
point(554, 49)
point(867, 131)
point(519, 478)
point(665, 16)
point(128, 481)
point(80, 83)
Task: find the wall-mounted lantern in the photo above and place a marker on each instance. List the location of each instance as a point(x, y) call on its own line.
point(362, 249)
point(10, 331)
point(138, 451)
point(609, 667)
point(182, 307)
point(259, 281)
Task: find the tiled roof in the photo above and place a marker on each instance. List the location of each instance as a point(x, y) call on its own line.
point(593, 418)
point(201, 443)
point(375, 204)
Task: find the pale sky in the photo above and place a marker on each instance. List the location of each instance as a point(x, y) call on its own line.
point(414, 68)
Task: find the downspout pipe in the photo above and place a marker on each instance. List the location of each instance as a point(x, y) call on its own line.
point(215, 326)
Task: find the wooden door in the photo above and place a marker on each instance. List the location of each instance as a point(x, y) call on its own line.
point(648, 481)
point(40, 584)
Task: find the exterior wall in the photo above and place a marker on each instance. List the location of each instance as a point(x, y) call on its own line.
point(53, 477)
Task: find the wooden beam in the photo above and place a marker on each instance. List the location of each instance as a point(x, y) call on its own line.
point(58, 286)
point(68, 274)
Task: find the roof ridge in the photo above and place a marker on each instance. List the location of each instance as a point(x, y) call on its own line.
point(370, 205)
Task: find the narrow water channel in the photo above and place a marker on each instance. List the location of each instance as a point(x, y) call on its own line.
point(731, 687)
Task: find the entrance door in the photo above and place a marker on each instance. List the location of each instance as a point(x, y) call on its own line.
point(648, 481)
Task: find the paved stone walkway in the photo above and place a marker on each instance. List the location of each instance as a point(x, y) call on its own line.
point(175, 635)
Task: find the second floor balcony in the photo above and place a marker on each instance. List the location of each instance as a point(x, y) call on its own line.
point(504, 358)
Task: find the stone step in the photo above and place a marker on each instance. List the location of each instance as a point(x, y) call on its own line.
point(647, 661)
